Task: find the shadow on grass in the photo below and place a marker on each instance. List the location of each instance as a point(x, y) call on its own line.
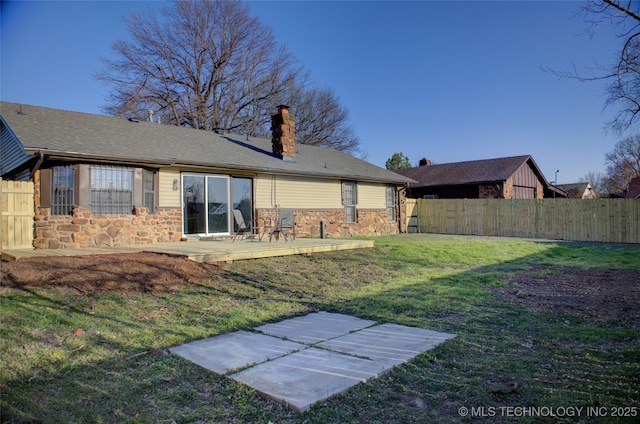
point(505, 356)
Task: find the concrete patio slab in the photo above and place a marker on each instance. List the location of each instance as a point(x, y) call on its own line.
point(305, 377)
point(388, 343)
point(232, 351)
point(283, 366)
point(315, 327)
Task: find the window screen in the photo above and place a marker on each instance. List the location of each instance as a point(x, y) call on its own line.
point(149, 185)
point(391, 203)
point(111, 190)
point(350, 199)
point(62, 190)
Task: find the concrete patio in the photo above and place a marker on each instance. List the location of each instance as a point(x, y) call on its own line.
point(208, 251)
point(303, 360)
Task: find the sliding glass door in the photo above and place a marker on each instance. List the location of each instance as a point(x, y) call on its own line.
point(218, 205)
point(206, 199)
point(205, 204)
point(193, 202)
point(242, 195)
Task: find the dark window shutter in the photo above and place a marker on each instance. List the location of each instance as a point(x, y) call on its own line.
point(45, 188)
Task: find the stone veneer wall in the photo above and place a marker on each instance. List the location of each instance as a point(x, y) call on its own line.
point(370, 222)
point(491, 191)
point(82, 229)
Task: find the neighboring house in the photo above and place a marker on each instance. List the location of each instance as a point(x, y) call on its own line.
point(104, 181)
point(633, 189)
point(515, 177)
point(578, 190)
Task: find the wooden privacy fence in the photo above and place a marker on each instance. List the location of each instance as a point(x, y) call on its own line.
point(17, 214)
point(603, 220)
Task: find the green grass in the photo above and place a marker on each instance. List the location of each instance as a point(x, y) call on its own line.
point(117, 369)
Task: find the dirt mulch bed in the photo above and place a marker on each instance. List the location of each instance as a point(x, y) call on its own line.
point(599, 294)
point(115, 273)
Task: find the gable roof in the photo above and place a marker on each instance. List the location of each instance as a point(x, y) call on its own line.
point(575, 190)
point(75, 135)
point(469, 172)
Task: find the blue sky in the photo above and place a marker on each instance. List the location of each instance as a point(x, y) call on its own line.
point(451, 81)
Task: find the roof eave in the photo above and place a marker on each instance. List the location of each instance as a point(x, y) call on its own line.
point(458, 184)
point(270, 170)
point(62, 155)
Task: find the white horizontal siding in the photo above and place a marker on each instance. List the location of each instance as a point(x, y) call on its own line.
point(287, 192)
point(371, 196)
point(167, 197)
point(298, 192)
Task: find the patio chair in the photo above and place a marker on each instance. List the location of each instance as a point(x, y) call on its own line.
point(285, 225)
point(243, 228)
point(270, 224)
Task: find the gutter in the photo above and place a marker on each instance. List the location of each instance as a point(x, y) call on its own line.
point(54, 154)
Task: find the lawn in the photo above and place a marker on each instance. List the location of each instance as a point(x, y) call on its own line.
point(519, 355)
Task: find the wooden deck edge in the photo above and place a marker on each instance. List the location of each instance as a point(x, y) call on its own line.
point(289, 249)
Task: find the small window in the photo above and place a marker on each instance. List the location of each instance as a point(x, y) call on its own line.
point(62, 190)
point(391, 203)
point(149, 188)
point(111, 190)
point(350, 200)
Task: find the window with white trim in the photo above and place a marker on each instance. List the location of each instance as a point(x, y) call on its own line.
point(149, 190)
point(111, 190)
point(390, 200)
point(350, 200)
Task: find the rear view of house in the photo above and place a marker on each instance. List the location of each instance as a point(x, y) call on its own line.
point(105, 181)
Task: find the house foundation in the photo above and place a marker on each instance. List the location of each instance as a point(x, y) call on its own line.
point(82, 229)
point(370, 222)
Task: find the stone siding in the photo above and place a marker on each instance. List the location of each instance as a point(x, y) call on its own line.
point(370, 222)
point(491, 191)
point(82, 229)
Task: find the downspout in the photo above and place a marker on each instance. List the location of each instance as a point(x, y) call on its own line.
point(37, 165)
point(499, 190)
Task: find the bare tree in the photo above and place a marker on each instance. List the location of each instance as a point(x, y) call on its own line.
point(206, 64)
point(210, 65)
point(597, 181)
point(321, 121)
point(623, 75)
point(623, 163)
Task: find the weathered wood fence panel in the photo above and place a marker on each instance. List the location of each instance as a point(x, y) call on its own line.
point(603, 220)
point(16, 214)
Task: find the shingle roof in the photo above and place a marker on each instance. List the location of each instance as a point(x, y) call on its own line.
point(470, 172)
point(62, 133)
point(574, 190)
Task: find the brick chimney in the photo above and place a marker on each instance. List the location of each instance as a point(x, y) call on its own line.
point(283, 130)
